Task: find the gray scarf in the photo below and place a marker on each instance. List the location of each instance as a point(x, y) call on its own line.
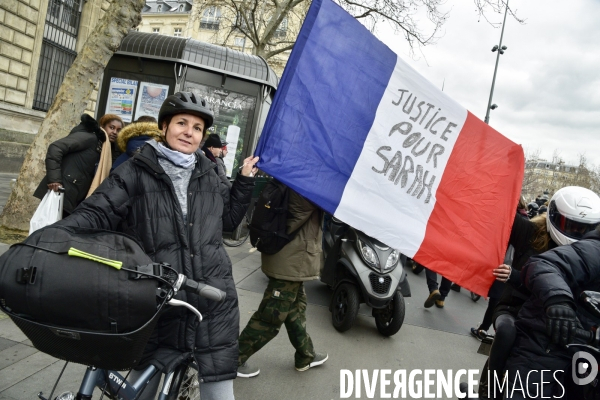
point(176, 157)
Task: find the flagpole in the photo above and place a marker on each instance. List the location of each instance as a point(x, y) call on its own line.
point(500, 50)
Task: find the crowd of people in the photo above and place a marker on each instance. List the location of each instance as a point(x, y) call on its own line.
point(164, 182)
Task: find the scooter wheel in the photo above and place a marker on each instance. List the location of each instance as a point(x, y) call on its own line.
point(346, 301)
point(389, 320)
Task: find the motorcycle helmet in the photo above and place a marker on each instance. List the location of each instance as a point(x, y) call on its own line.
point(573, 212)
point(185, 103)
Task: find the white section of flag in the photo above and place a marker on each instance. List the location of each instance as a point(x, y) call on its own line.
point(367, 188)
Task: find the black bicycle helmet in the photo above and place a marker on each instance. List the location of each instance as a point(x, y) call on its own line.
point(188, 103)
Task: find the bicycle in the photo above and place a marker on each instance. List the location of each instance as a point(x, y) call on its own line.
point(181, 383)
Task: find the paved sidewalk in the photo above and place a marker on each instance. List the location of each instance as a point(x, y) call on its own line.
point(428, 339)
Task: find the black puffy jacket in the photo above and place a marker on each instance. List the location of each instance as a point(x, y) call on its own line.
point(138, 198)
point(560, 275)
point(72, 160)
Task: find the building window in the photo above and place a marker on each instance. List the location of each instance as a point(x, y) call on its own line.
point(159, 8)
point(155, 30)
point(57, 51)
point(177, 32)
point(239, 41)
point(64, 14)
point(210, 18)
point(281, 30)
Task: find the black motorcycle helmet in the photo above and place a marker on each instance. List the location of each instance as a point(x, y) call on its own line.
point(185, 103)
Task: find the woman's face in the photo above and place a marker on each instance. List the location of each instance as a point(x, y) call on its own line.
point(184, 133)
point(113, 128)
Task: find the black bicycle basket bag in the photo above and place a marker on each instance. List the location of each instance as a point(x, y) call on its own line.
point(67, 289)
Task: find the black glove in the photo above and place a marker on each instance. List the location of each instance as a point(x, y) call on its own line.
point(561, 323)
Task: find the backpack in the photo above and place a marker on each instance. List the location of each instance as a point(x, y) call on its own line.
point(268, 227)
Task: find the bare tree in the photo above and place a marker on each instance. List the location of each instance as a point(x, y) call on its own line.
point(531, 180)
point(69, 104)
point(271, 26)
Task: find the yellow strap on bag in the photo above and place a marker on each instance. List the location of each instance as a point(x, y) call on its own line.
point(78, 253)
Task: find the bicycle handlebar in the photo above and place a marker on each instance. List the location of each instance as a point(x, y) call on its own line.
point(203, 290)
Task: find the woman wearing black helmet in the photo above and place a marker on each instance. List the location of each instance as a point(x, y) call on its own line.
point(173, 202)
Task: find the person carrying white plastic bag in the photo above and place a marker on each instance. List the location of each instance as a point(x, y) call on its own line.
point(48, 212)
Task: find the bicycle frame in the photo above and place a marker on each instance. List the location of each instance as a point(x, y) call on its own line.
point(114, 382)
point(125, 390)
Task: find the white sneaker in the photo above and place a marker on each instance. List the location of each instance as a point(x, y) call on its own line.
point(318, 360)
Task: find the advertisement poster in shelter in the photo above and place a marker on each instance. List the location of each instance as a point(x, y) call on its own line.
point(150, 98)
point(233, 119)
point(121, 95)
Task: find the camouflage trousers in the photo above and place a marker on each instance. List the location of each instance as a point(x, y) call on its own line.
point(284, 302)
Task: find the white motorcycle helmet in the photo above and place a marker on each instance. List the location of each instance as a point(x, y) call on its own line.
point(573, 211)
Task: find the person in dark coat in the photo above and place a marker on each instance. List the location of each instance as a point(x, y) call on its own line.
point(547, 321)
point(573, 211)
point(212, 150)
point(172, 201)
point(131, 138)
point(71, 163)
point(221, 168)
point(498, 286)
point(112, 125)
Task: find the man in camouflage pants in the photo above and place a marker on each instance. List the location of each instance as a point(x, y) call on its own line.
point(284, 301)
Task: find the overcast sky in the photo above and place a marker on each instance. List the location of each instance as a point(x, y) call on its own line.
point(548, 81)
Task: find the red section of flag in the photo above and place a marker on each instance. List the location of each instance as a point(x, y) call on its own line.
point(467, 233)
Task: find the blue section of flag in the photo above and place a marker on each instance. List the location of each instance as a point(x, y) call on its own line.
point(325, 104)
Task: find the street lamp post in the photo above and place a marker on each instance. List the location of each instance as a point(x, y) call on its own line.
point(500, 50)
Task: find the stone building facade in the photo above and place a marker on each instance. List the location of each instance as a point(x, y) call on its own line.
point(39, 39)
point(186, 18)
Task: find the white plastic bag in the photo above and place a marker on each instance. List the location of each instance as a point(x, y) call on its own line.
point(48, 212)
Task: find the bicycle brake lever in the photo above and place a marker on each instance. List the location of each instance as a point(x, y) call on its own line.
point(179, 303)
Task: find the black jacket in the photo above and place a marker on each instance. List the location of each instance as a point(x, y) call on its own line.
point(560, 275)
point(514, 294)
point(139, 199)
point(72, 160)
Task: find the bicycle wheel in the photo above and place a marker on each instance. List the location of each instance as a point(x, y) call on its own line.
point(239, 235)
point(185, 384)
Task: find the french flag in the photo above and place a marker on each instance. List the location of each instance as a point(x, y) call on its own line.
point(360, 133)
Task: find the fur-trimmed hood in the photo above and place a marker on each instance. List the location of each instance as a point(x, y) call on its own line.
point(138, 129)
